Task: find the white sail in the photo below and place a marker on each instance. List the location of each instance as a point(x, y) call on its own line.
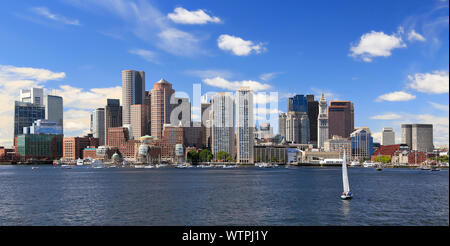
point(345, 175)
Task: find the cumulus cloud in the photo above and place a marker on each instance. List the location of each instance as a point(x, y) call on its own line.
point(438, 106)
point(147, 55)
point(239, 46)
point(78, 102)
point(414, 36)
point(179, 42)
point(184, 16)
point(396, 96)
point(432, 83)
point(375, 44)
point(235, 85)
point(45, 12)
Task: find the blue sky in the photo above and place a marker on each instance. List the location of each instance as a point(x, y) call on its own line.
point(388, 57)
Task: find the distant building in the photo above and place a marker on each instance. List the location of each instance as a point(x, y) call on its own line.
point(270, 153)
point(223, 138)
point(282, 124)
point(245, 122)
point(388, 136)
point(32, 95)
point(297, 127)
point(98, 127)
point(389, 150)
point(298, 103)
point(39, 146)
point(119, 137)
point(25, 114)
point(139, 120)
point(340, 145)
point(193, 136)
point(362, 143)
point(172, 135)
point(113, 115)
point(265, 131)
point(206, 124)
point(313, 114)
point(322, 131)
point(160, 106)
point(44, 127)
point(133, 92)
point(54, 109)
point(418, 137)
point(73, 146)
point(340, 119)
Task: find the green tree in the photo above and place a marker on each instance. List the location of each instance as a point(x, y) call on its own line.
point(383, 159)
point(192, 156)
point(222, 155)
point(206, 155)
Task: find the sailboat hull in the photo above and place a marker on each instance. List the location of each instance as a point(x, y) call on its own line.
point(346, 197)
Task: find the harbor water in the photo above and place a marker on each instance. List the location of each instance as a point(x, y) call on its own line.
point(214, 196)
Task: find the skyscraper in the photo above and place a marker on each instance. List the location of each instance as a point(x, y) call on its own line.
point(418, 137)
point(298, 103)
point(340, 119)
point(297, 127)
point(322, 130)
point(313, 113)
point(25, 114)
point(98, 127)
point(388, 136)
point(139, 120)
point(54, 109)
point(133, 91)
point(113, 115)
point(160, 106)
point(245, 123)
point(223, 124)
point(282, 124)
point(206, 126)
point(32, 95)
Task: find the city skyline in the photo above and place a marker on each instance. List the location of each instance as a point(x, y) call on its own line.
point(406, 82)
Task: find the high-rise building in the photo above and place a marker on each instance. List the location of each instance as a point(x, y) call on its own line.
point(340, 119)
point(265, 131)
point(25, 114)
point(297, 127)
point(223, 124)
point(133, 92)
point(160, 106)
point(32, 95)
point(139, 120)
point(98, 127)
point(298, 103)
point(113, 115)
point(388, 136)
point(419, 137)
point(362, 143)
point(313, 113)
point(54, 109)
point(206, 124)
point(245, 123)
point(148, 102)
point(282, 124)
point(322, 131)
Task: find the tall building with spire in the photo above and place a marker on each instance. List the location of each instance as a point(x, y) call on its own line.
point(160, 106)
point(322, 123)
point(245, 124)
point(133, 92)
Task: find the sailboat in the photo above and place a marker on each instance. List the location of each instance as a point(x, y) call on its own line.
point(346, 195)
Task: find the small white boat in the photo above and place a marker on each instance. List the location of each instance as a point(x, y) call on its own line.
point(184, 165)
point(346, 194)
point(368, 164)
point(34, 168)
point(139, 166)
point(355, 164)
point(230, 166)
point(149, 166)
point(160, 165)
point(80, 162)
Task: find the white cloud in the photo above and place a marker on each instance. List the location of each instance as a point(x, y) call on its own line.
point(235, 85)
point(414, 36)
point(268, 76)
point(432, 83)
point(238, 46)
point(396, 96)
point(376, 44)
point(179, 42)
point(45, 12)
point(439, 106)
point(77, 102)
point(184, 16)
point(147, 55)
point(390, 116)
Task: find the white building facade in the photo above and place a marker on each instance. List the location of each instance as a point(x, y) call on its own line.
point(322, 124)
